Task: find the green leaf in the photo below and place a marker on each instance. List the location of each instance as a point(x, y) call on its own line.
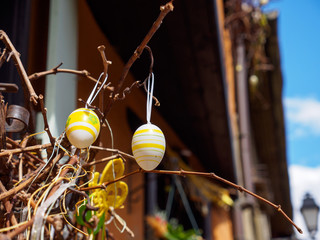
point(79, 216)
point(100, 224)
point(88, 217)
point(177, 232)
point(169, 236)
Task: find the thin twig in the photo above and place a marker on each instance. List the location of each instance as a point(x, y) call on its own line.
point(164, 11)
point(127, 90)
point(138, 83)
point(157, 103)
point(31, 156)
point(8, 205)
point(73, 160)
point(23, 145)
point(105, 184)
point(45, 120)
point(203, 174)
point(116, 151)
point(22, 72)
point(20, 229)
point(106, 64)
point(239, 188)
point(55, 70)
point(105, 61)
point(151, 58)
point(103, 160)
point(3, 56)
point(24, 184)
point(88, 205)
point(26, 149)
point(91, 106)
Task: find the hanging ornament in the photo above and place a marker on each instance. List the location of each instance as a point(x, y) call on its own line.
point(148, 146)
point(83, 124)
point(148, 141)
point(82, 127)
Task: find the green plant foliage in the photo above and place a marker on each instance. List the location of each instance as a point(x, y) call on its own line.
point(88, 217)
point(176, 232)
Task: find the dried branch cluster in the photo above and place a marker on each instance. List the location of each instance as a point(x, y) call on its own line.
point(35, 184)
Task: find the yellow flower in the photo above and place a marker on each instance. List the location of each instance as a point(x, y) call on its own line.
point(114, 194)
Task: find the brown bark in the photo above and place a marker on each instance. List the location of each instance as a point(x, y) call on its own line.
point(3, 110)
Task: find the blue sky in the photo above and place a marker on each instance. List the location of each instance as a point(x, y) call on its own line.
point(299, 39)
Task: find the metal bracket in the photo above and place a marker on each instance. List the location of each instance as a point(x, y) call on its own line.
point(8, 87)
point(17, 119)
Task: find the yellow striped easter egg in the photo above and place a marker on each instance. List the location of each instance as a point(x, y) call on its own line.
point(82, 127)
point(148, 146)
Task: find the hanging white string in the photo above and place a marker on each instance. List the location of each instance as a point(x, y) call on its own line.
point(93, 95)
point(149, 96)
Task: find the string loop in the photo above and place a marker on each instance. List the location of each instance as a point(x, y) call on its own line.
point(149, 95)
point(93, 95)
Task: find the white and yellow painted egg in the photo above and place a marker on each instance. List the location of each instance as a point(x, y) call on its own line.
point(148, 146)
point(82, 127)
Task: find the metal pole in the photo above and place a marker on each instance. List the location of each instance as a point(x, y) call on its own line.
point(244, 115)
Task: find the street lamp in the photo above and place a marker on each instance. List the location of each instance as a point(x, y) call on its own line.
point(310, 211)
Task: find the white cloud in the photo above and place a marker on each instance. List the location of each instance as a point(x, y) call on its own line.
point(303, 116)
point(303, 180)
